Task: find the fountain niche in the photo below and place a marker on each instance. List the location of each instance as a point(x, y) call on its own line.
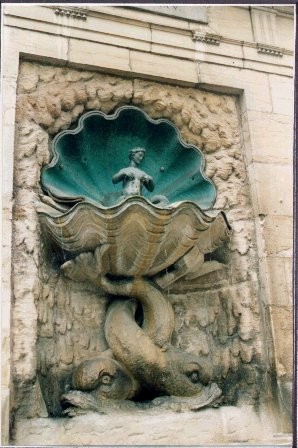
point(127, 211)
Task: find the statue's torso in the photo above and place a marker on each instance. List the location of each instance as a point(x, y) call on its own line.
point(133, 186)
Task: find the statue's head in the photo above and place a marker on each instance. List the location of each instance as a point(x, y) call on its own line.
point(137, 154)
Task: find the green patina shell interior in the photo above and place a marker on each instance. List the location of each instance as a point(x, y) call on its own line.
point(85, 159)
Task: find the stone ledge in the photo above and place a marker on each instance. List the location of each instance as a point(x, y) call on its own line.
point(225, 425)
point(207, 38)
point(270, 50)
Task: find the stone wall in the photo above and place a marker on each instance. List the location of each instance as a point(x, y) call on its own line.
point(228, 54)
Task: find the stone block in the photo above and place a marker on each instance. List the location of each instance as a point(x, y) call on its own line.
point(6, 250)
point(168, 68)
point(5, 351)
point(207, 55)
point(240, 428)
point(91, 54)
point(137, 39)
point(37, 44)
point(104, 29)
point(282, 327)
point(6, 319)
point(256, 91)
point(8, 138)
point(271, 137)
point(227, 49)
point(228, 21)
point(118, 28)
point(278, 235)
point(171, 38)
point(286, 31)
point(255, 84)
point(8, 101)
point(35, 12)
point(288, 267)
point(5, 392)
point(226, 77)
point(95, 30)
point(11, 56)
point(283, 70)
point(142, 16)
point(173, 51)
point(282, 92)
point(274, 188)
point(24, 339)
point(190, 12)
point(279, 277)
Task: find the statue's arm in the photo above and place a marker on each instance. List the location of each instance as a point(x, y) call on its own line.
point(148, 183)
point(118, 177)
point(123, 175)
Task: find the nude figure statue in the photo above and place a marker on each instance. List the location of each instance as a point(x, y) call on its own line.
point(132, 178)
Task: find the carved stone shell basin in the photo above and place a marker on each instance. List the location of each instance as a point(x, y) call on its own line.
point(86, 158)
point(143, 239)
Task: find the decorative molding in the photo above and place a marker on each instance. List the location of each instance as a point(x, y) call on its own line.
point(198, 34)
point(270, 50)
point(74, 12)
point(265, 27)
point(207, 38)
point(266, 33)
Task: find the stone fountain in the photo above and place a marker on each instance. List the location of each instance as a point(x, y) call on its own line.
point(133, 231)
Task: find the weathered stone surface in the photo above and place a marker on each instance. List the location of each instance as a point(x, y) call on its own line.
point(282, 91)
point(256, 84)
point(223, 326)
point(278, 148)
point(275, 198)
point(278, 236)
point(282, 322)
point(216, 426)
point(220, 320)
point(227, 22)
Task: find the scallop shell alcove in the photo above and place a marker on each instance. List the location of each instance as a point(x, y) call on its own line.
point(132, 244)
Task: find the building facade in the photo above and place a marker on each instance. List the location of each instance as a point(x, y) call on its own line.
point(224, 76)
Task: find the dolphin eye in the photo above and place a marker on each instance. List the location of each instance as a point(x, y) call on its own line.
point(194, 376)
point(106, 379)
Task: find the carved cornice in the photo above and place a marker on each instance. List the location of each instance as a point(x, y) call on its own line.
point(270, 50)
point(207, 38)
point(74, 12)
